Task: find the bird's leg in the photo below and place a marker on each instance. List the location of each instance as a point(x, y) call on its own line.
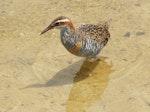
point(97, 58)
point(91, 59)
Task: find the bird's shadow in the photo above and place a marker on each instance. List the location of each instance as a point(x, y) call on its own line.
point(63, 77)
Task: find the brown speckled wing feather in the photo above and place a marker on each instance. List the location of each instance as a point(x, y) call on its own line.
point(97, 32)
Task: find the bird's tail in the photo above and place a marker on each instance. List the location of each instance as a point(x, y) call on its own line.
point(105, 24)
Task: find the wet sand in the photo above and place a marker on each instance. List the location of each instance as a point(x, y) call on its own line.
point(37, 73)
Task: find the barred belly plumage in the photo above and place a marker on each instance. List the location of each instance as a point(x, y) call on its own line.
point(90, 48)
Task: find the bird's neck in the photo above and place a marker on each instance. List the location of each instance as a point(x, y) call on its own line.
point(70, 25)
point(66, 31)
point(67, 26)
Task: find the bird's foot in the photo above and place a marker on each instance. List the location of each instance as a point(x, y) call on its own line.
point(97, 58)
point(94, 59)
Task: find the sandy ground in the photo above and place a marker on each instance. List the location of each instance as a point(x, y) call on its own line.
point(37, 74)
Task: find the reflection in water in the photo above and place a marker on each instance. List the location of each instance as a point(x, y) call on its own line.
point(89, 84)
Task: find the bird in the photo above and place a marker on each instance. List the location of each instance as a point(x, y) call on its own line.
point(86, 40)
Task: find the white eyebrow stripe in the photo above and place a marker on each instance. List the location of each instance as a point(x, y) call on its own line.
point(63, 20)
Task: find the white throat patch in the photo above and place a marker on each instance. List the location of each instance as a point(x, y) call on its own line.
point(63, 20)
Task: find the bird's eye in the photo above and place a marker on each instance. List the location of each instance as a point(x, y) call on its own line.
point(57, 24)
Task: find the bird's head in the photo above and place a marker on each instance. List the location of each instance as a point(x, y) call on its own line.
point(59, 23)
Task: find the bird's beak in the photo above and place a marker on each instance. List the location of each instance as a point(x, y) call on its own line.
point(46, 29)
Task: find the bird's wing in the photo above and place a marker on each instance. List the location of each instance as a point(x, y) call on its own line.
point(97, 32)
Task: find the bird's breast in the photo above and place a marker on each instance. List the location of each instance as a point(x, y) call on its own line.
point(69, 41)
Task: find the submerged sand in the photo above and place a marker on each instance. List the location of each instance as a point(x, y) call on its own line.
point(37, 74)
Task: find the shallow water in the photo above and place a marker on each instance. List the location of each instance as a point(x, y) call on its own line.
point(36, 75)
point(89, 84)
